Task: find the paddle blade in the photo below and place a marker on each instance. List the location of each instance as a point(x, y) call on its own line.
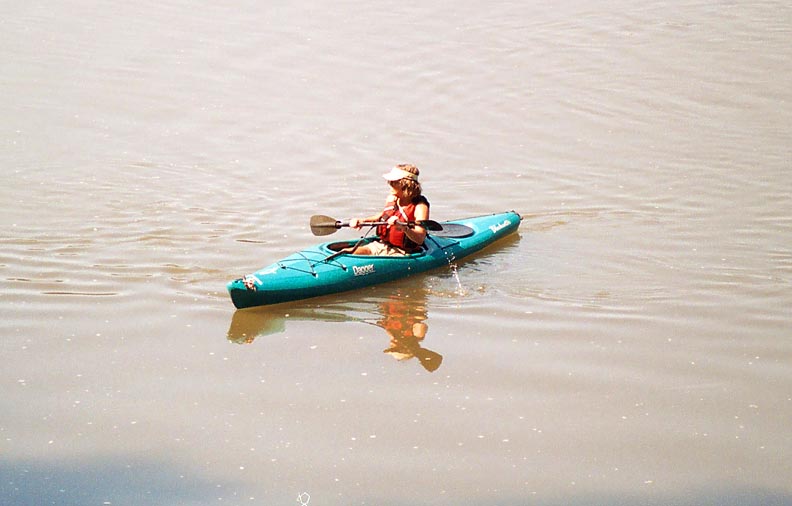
point(430, 225)
point(324, 225)
point(450, 230)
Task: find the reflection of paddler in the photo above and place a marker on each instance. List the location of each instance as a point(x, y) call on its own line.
point(401, 316)
point(405, 324)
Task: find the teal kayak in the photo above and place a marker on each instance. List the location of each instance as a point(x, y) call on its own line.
point(321, 270)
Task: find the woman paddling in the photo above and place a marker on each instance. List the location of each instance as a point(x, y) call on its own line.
point(404, 204)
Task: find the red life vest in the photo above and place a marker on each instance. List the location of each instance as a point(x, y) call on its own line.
point(389, 235)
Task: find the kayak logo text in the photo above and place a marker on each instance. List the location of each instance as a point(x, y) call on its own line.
point(363, 270)
point(499, 226)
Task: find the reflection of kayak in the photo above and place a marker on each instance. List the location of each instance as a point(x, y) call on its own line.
point(320, 270)
point(401, 313)
point(249, 325)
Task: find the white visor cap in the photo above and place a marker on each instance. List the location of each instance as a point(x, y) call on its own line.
point(396, 174)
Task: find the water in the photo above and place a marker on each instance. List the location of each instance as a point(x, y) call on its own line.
point(629, 346)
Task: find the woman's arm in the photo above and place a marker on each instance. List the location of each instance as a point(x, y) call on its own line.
point(356, 222)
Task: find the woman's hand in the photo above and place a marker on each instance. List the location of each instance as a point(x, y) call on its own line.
point(393, 221)
point(354, 223)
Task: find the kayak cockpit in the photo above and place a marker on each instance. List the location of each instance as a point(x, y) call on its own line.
point(336, 249)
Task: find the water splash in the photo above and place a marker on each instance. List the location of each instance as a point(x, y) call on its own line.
point(460, 289)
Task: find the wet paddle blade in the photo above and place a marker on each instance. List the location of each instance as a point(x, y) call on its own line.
point(430, 225)
point(324, 225)
point(449, 230)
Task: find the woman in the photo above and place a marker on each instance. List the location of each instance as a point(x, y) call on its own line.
point(404, 204)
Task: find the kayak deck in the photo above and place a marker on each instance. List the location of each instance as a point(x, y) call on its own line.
point(322, 270)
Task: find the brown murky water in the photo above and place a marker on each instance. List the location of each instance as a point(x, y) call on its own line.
point(630, 346)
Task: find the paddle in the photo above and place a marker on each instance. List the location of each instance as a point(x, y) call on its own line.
point(325, 225)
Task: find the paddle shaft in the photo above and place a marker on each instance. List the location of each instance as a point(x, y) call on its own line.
point(325, 225)
point(411, 224)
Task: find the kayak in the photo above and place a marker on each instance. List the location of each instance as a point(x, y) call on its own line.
point(323, 270)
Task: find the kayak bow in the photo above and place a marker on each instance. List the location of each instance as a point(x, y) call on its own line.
point(320, 270)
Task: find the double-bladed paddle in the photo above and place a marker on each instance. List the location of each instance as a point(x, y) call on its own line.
point(325, 225)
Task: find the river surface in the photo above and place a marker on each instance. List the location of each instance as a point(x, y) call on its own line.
point(632, 344)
